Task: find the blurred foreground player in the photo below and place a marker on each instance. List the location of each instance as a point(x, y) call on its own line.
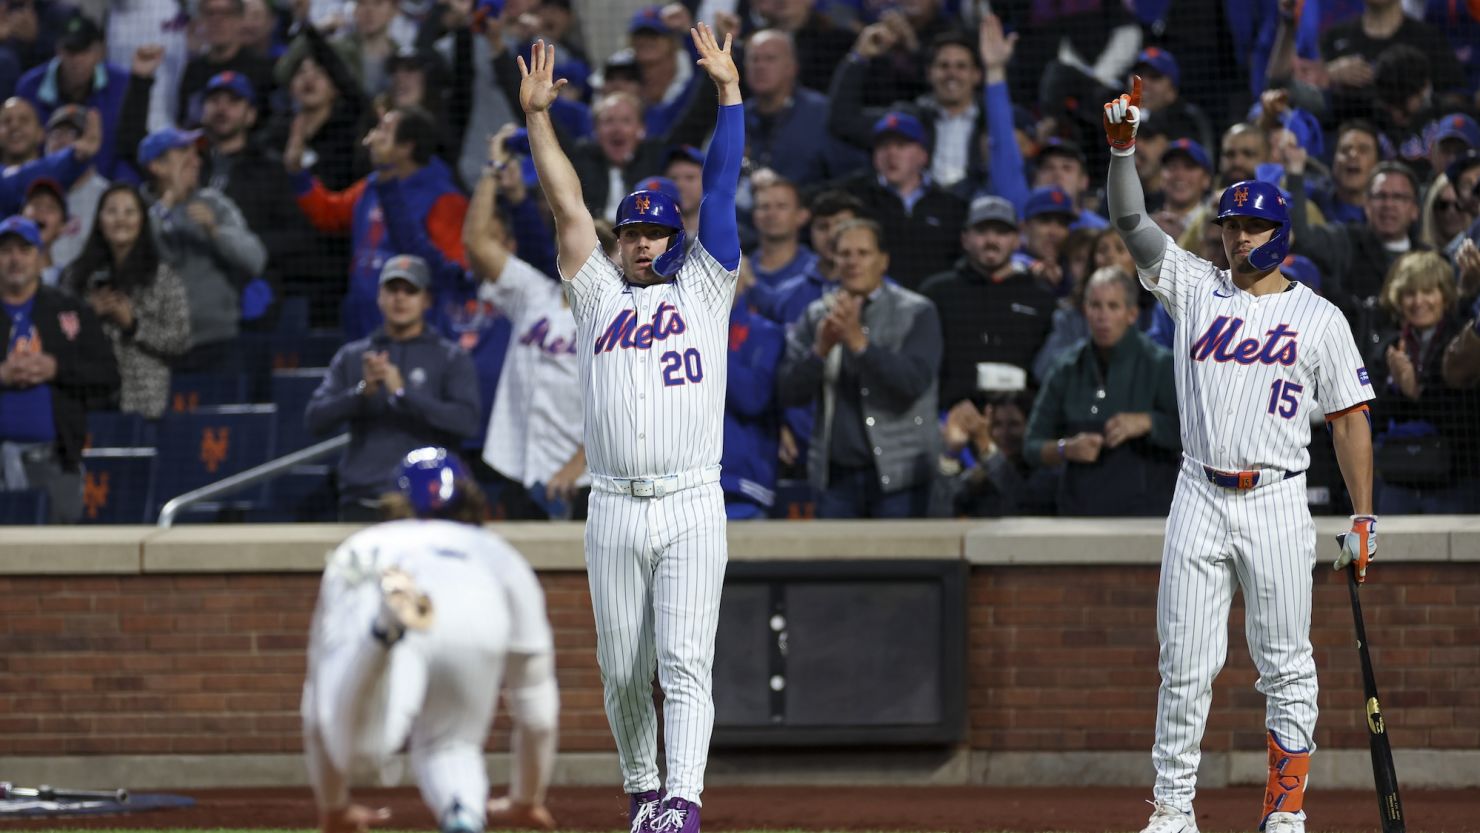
point(418, 622)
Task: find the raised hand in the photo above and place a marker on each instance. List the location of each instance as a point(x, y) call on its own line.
point(716, 59)
point(538, 88)
point(91, 140)
point(996, 48)
point(1122, 117)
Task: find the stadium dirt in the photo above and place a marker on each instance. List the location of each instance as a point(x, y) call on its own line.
point(1087, 810)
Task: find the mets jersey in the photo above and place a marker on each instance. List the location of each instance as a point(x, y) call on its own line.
point(1250, 369)
point(653, 365)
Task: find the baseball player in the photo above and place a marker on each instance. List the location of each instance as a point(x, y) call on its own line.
point(418, 622)
point(653, 335)
point(1255, 352)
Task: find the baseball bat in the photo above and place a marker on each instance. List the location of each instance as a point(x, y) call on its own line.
point(49, 793)
point(1384, 776)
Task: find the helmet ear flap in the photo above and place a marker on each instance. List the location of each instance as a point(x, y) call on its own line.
point(1272, 253)
point(670, 261)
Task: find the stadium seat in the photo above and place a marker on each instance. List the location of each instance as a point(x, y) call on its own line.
point(26, 507)
point(794, 501)
point(209, 444)
point(191, 391)
point(290, 350)
point(115, 486)
point(291, 390)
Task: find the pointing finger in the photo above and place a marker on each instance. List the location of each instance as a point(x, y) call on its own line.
point(1135, 91)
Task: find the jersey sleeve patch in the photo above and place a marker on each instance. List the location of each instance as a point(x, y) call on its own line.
point(1363, 378)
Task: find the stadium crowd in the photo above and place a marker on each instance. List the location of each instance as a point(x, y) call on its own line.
point(934, 318)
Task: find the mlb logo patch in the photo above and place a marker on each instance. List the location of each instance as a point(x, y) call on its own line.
point(1362, 376)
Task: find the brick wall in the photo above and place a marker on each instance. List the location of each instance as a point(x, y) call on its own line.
point(1061, 659)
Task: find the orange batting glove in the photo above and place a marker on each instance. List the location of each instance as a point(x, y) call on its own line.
point(1358, 546)
point(1122, 117)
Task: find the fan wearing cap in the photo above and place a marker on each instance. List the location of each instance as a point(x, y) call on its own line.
point(1046, 222)
point(1450, 137)
point(21, 144)
point(921, 220)
point(202, 235)
point(79, 75)
point(1062, 164)
point(1186, 178)
point(46, 206)
point(225, 51)
point(991, 309)
point(399, 388)
point(55, 365)
point(1166, 110)
point(66, 126)
point(667, 76)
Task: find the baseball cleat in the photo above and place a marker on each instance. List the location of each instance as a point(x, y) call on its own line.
point(402, 607)
point(1168, 819)
point(459, 819)
point(642, 808)
point(677, 816)
point(1284, 823)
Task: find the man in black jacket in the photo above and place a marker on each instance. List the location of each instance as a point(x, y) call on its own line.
point(57, 365)
point(922, 221)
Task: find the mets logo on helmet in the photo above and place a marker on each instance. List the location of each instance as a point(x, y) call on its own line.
point(1240, 196)
point(642, 204)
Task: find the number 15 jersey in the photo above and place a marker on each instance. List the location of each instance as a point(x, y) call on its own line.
point(1250, 369)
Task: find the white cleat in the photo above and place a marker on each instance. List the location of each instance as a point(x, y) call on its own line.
point(1284, 823)
point(1168, 819)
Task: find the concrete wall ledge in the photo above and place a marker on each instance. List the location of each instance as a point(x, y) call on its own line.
point(257, 548)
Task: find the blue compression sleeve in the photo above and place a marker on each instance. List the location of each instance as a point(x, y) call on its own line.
point(717, 230)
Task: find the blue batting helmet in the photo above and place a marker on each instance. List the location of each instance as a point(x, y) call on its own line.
point(1252, 198)
point(429, 480)
point(655, 208)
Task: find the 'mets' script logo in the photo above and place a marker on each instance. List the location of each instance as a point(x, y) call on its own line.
point(1221, 343)
point(624, 331)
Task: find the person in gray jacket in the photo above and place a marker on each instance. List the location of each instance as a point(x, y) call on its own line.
point(870, 354)
point(200, 233)
point(402, 388)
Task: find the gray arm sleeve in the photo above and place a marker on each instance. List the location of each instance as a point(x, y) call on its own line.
point(1142, 237)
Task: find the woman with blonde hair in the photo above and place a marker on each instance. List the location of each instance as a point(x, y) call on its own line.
point(1426, 450)
point(1443, 216)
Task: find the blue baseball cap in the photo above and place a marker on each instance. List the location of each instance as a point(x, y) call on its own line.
point(1302, 269)
point(662, 184)
point(1050, 199)
point(1162, 62)
point(232, 82)
point(648, 19)
point(1191, 149)
point(1457, 126)
point(517, 142)
point(160, 142)
point(484, 10)
point(21, 227)
point(900, 124)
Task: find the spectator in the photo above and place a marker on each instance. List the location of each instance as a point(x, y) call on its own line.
point(200, 234)
point(21, 134)
point(991, 310)
point(1352, 48)
point(1049, 216)
point(57, 366)
point(364, 47)
point(225, 51)
point(64, 130)
point(1402, 103)
point(665, 71)
point(158, 30)
point(902, 72)
point(921, 220)
point(1062, 165)
point(990, 477)
point(785, 124)
point(779, 219)
point(1449, 138)
point(1069, 324)
point(950, 112)
point(820, 46)
point(748, 464)
point(259, 30)
point(327, 109)
point(685, 169)
point(1186, 177)
point(867, 355)
point(401, 147)
point(1462, 356)
point(138, 298)
point(399, 389)
point(1108, 412)
point(1355, 257)
point(1357, 153)
point(33, 27)
point(1244, 149)
point(78, 75)
point(1162, 102)
point(46, 206)
point(535, 433)
point(1426, 449)
point(1442, 218)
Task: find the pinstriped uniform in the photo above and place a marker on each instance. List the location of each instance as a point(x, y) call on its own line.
point(654, 365)
point(1250, 372)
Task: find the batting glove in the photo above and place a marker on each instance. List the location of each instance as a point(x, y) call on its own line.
point(1359, 545)
point(1122, 117)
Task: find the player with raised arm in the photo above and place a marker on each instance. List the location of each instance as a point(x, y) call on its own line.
point(1254, 353)
point(653, 341)
point(419, 623)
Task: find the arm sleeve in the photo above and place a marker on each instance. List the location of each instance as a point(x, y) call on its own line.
point(335, 401)
point(455, 408)
point(133, 119)
point(1044, 424)
point(717, 230)
point(1004, 157)
point(1146, 242)
point(903, 375)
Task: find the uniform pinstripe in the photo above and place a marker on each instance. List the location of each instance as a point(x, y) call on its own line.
point(654, 366)
point(1250, 373)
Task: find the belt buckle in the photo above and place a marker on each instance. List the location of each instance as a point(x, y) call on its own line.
point(1247, 480)
point(643, 488)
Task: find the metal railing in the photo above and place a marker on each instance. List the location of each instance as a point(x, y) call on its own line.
point(250, 477)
